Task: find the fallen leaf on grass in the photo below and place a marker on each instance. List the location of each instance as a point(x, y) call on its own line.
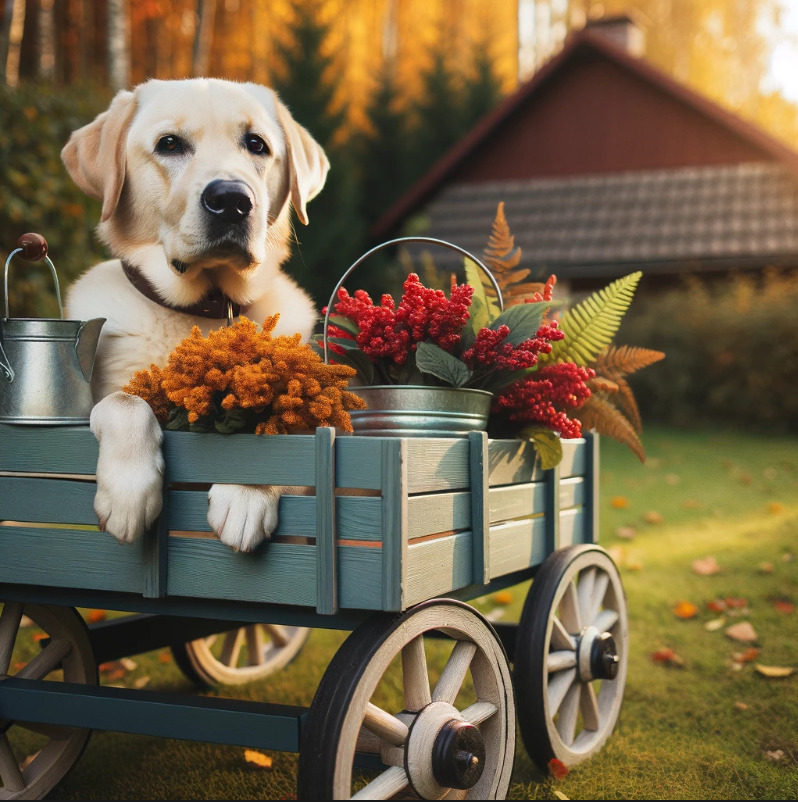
point(773, 671)
point(667, 657)
point(619, 502)
point(95, 616)
point(787, 557)
point(715, 624)
point(784, 606)
point(672, 479)
point(164, 657)
point(706, 566)
point(717, 605)
point(128, 664)
point(559, 794)
point(685, 609)
point(740, 706)
point(775, 508)
point(40, 636)
point(557, 768)
point(691, 504)
point(774, 755)
point(503, 597)
point(742, 631)
point(653, 517)
point(766, 568)
point(495, 614)
point(141, 682)
point(626, 532)
point(748, 656)
point(28, 760)
point(257, 759)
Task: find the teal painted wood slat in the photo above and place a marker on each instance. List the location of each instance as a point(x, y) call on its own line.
point(58, 501)
point(516, 545)
point(572, 492)
point(281, 573)
point(358, 462)
point(360, 578)
point(192, 718)
point(48, 449)
point(552, 504)
point(326, 572)
point(573, 527)
point(240, 458)
point(438, 464)
point(436, 567)
point(514, 461)
point(69, 558)
point(516, 501)
point(156, 555)
point(438, 512)
point(359, 517)
point(480, 510)
point(394, 522)
point(592, 482)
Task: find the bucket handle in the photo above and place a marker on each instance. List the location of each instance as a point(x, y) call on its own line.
point(32, 248)
point(429, 240)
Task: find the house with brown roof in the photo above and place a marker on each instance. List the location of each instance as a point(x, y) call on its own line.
point(606, 165)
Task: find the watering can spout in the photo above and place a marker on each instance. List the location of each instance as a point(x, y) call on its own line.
point(86, 345)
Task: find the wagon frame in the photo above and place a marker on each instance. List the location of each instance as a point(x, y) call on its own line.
point(391, 540)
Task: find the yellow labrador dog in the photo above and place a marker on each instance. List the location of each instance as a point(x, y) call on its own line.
point(196, 178)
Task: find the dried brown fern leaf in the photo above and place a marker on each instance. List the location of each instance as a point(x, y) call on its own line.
point(621, 360)
point(600, 414)
point(628, 404)
point(503, 257)
point(600, 384)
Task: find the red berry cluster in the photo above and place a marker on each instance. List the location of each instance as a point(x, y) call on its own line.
point(392, 333)
point(490, 352)
point(536, 399)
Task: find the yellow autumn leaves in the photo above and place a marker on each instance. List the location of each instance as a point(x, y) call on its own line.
point(281, 384)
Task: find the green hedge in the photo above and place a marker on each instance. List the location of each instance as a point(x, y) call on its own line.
point(37, 194)
point(731, 348)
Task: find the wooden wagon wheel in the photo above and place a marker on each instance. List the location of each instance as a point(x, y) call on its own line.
point(453, 740)
point(54, 749)
point(240, 655)
point(571, 655)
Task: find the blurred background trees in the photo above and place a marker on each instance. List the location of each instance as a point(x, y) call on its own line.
point(386, 86)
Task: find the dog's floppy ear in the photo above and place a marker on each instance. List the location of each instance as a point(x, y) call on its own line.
point(95, 154)
point(307, 160)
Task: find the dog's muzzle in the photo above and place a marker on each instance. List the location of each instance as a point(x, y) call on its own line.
point(228, 202)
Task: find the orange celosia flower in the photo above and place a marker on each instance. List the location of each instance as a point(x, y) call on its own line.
point(280, 381)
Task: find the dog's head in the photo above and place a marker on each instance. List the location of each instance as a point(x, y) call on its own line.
point(195, 179)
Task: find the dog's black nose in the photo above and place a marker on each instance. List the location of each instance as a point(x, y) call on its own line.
point(229, 201)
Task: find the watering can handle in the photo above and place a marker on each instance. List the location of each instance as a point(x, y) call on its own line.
point(33, 248)
point(400, 240)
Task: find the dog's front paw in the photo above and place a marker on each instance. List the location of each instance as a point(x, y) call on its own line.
point(129, 466)
point(242, 516)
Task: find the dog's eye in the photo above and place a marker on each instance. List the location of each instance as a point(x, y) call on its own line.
point(255, 144)
point(170, 144)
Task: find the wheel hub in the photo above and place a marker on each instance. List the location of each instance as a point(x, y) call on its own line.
point(458, 756)
point(598, 655)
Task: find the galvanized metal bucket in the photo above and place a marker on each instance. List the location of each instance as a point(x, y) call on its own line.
point(402, 410)
point(45, 364)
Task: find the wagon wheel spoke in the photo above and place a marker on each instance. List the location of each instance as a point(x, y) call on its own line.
point(368, 742)
point(588, 704)
point(277, 633)
point(560, 639)
point(385, 786)
point(557, 688)
point(9, 626)
point(569, 710)
point(454, 672)
point(9, 768)
point(561, 660)
point(255, 645)
point(597, 597)
point(231, 647)
point(606, 620)
point(479, 712)
point(569, 610)
point(584, 591)
point(47, 660)
point(415, 680)
point(387, 727)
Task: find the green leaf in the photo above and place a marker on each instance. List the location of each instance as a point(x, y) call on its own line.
point(489, 303)
point(523, 320)
point(431, 358)
point(178, 420)
point(231, 421)
point(477, 320)
point(547, 443)
point(344, 323)
point(360, 362)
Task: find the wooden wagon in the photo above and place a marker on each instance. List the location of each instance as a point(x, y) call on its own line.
point(393, 538)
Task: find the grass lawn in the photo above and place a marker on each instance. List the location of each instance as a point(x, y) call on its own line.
point(704, 724)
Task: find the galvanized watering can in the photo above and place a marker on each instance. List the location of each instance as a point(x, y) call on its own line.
point(45, 364)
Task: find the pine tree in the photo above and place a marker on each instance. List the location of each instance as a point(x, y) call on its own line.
point(305, 82)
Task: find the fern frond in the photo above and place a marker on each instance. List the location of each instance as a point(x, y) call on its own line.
point(590, 326)
point(599, 414)
point(601, 384)
point(503, 257)
point(618, 361)
point(625, 399)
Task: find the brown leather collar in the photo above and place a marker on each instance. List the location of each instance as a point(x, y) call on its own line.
point(213, 305)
